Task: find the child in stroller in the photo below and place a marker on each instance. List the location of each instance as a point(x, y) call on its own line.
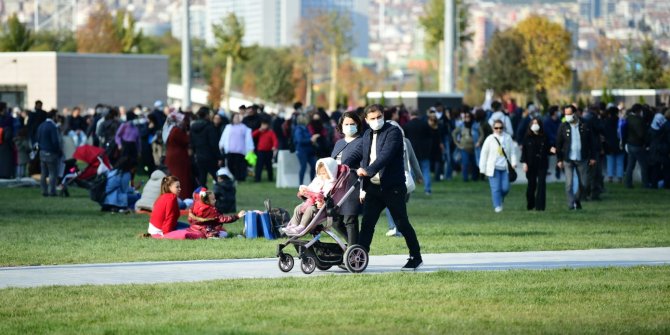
point(319, 207)
point(313, 195)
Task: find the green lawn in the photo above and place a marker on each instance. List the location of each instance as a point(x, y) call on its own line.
point(585, 301)
point(458, 217)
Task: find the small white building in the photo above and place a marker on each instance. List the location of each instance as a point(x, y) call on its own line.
point(69, 79)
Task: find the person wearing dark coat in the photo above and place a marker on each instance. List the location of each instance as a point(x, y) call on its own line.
point(351, 126)
point(614, 155)
point(51, 149)
point(35, 119)
point(382, 169)
point(575, 151)
point(418, 132)
point(636, 141)
point(205, 146)
point(7, 165)
point(534, 156)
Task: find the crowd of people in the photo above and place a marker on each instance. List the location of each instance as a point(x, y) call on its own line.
point(592, 145)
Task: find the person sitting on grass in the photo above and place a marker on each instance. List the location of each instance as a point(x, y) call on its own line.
point(206, 219)
point(314, 195)
point(120, 195)
point(163, 221)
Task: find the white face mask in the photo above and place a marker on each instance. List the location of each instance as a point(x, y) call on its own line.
point(349, 130)
point(439, 115)
point(376, 124)
point(569, 118)
point(535, 128)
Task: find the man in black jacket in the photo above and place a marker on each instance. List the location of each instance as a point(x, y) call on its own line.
point(636, 145)
point(205, 146)
point(575, 151)
point(380, 153)
point(418, 133)
point(35, 119)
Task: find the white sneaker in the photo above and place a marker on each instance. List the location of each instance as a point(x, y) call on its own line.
point(498, 209)
point(391, 232)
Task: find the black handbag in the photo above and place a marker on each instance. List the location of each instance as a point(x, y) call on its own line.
point(511, 172)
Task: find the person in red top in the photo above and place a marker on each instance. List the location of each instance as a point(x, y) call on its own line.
point(163, 221)
point(266, 148)
point(206, 219)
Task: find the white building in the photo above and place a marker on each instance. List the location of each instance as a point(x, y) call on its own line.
point(68, 79)
point(198, 21)
point(274, 23)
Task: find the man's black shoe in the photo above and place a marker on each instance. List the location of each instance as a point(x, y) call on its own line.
point(578, 204)
point(413, 263)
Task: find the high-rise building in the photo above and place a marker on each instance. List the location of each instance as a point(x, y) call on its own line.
point(590, 10)
point(197, 23)
point(483, 32)
point(274, 23)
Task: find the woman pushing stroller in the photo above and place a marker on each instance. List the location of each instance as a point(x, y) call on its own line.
point(314, 195)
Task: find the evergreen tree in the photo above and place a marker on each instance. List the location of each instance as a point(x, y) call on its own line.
point(16, 36)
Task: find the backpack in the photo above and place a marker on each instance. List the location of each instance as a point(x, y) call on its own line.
point(98, 187)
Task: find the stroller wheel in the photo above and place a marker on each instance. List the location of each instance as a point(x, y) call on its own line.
point(286, 262)
point(356, 258)
point(308, 264)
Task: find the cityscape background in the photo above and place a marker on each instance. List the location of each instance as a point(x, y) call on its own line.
point(388, 38)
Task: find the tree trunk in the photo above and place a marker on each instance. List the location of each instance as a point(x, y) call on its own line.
point(332, 95)
point(308, 84)
point(226, 86)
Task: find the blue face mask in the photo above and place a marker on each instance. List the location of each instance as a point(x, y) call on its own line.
point(349, 130)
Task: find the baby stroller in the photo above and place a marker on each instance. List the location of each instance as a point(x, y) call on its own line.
point(315, 254)
point(70, 173)
point(94, 157)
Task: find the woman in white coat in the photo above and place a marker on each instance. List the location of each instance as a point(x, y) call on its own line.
point(493, 164)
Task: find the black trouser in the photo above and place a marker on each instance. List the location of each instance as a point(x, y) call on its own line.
point(536, 193)
point(264, 160)
point(347, 225)
point(237, 166)
point(376, 200)
point(596, 183)
point(206, 166)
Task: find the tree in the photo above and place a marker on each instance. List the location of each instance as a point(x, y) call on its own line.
point(59, 40)
point(15, 36)
point(433, 23)
point(651, 73)
point(98, 35)
point(214, 88)
point(229, 34)
point(124, 27)
point(503, 66)
point(547, 51)
point(329, 32)
point(617, 74)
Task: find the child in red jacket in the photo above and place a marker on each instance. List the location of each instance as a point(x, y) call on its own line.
point(204, 217)
point(266, 147)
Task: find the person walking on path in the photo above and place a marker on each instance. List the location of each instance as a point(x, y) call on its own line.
point(535, 159)
point(351, 126)
point(493, 163)
point(51, 149)
point(383, 171)
point(574, 151)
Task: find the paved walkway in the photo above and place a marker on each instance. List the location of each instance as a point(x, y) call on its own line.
point(187, 271)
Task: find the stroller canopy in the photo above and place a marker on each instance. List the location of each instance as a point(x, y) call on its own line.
point(89, 154)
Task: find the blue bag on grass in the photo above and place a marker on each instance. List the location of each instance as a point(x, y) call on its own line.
point(258, 225)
